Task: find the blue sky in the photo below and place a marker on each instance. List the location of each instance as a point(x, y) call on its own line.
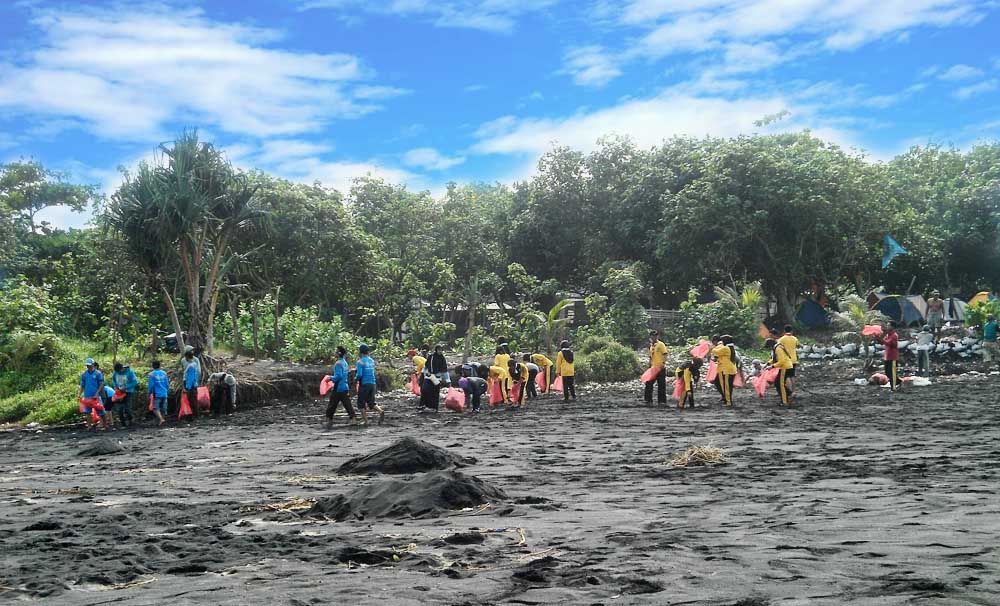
point(424, 92)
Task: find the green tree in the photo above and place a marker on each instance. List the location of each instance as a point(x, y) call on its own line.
point(27, 187)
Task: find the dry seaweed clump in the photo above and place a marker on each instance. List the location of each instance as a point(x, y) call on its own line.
point(697, 456)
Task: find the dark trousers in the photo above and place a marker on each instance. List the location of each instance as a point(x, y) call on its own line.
point(337, 398)
point(193, 401)
point(724, 383)
point(520, 392)
point(781, 384)
point(531, 387)
point(569, 389)
point(123, 410)
point(661, 388)
point(892, 371)
point(222, 400)
point(430, 394)
point(688, 399)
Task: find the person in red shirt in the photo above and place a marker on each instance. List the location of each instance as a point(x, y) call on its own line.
point(891, 342)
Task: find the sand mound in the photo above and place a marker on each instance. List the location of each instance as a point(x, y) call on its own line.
point(408, 455)
point(104, 446)
point(431, 494)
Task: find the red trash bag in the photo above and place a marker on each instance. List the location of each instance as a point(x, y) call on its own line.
point(414, 384)
point(151, 398)
point(496, 395)
point(325, 385)
point(649, 375)
point(92, 403)
point(759, 384)
point(119, 395)
point(679, 389)
point(204, 399)
point(713, 371)
point(557, 384)
point(541, 382)
point(185, 410)
point(738, 380)
point(871, 330)
point(515, 392)
point(454, 399)
point(771, 374)
point(701, 349)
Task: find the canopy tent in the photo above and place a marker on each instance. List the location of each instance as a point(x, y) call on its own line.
point(982, 297)
point(811, 314)
point(954, 310)
point(899, 308)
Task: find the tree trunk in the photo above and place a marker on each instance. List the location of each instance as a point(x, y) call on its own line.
point(154, 346)
point(277, 322)
point(234, 314)
point(256, 329)
point(786, 306)
point(467, 350)
point(172, 310)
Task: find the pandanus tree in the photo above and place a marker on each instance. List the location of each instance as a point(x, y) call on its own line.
point(179, 215)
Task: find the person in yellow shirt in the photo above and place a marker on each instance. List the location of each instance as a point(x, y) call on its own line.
point(502, 359)
point(501, 376)
point(418, 361)
point(782, 360)
point(657, 359)
point(791, 344)
point(519, 374)
point(566, 369)
point(544, 366)
point(726, 371)
point(688, 373)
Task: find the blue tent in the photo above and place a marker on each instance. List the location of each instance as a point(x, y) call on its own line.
point(900, 309)
point(811, 314)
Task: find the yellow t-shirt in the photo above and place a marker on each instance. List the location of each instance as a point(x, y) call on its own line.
point(791, 343)
point(418, 364)
point(501, 360)
point(541, 360)
point(657, 355)
point(525, 373)
point(685, 375)
point(725, 357)
point(499, 372)
point(781, 358)
point(564, 368)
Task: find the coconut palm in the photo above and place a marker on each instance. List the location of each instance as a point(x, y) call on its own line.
point(852, 318)
point(749, 297)
point(548, 324)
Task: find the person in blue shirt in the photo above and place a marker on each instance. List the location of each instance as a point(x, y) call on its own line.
point(192, 374)
point(990, 339)
point(341, 392)
point(124, 380)
point(91, 384)
point(158, 386)
point(364, 374)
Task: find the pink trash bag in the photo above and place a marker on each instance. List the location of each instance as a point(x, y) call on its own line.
point(557, 384)
point(679, 389)
point(325, 385)
point(540, 381)
point(713, 372)
point(872, 330)
point(649, 375)
point(738, 380)
point(185, 410)
point(455, 400)
point(515, 392)
point(151, 398)
point(414, 384)
point(496, 395)
point(701, 349)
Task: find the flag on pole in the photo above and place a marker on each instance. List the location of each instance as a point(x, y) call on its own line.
point(892, 248)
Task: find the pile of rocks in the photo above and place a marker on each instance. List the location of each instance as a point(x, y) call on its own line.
point(951, 348)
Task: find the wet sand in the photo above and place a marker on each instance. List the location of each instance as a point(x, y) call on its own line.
point(851, 497)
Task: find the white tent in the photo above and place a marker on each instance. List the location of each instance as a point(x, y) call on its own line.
point(954, 310)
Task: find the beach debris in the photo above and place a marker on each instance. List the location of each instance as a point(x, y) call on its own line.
point(406, 456)
point(698, 455)
point(104, 446)
point(287, 506)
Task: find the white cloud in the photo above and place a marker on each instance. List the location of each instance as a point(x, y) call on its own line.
point(960, 72)
point(131, 74)
point(968, 92)
point(591, 66)
point(429, 158)
point(474, 88)
point(498, 16)
point(369, 93)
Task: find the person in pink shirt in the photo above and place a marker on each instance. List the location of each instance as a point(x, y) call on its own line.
point(891, 342)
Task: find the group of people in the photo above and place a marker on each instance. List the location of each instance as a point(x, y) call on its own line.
point(102, 402)
point(726, 368)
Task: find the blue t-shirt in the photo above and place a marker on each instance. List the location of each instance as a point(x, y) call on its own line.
point(990, 331)
point(191, 377)
point(339, 377)
point(365, 373)
point(124, 380)
point(91, 382)
point(159, 384)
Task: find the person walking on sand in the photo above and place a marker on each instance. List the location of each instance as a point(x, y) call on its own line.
point(567, 370)
point(158, 387)
point(925, 344)
point(791, 344)
point(436, 376)
point(688, 374)
point(782, 360)
point(364, 373)
point(657, 361)
point(990, 350)
point(891, 355)
point(341, 392)
point(124, 381)
point(935, 314)
point(726, 375)
point(192, 376)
